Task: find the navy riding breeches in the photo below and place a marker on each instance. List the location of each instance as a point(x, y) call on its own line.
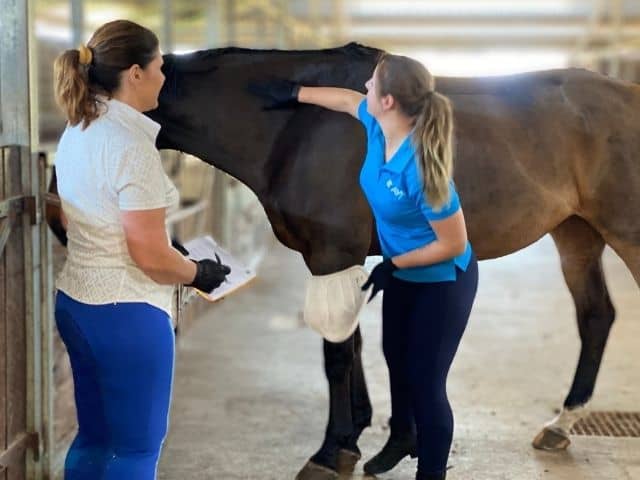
point(422, 327)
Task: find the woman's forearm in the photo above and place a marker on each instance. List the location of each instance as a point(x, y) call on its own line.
point(166, 266)
point(149, 247)
point(430, 254)
point(333, 98)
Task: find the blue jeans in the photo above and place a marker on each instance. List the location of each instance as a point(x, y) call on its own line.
point(422, 324)
point(122, 358)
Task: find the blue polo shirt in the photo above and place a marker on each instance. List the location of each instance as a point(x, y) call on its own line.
point(396, 196)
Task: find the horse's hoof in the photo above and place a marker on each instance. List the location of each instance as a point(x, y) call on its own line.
point(347, 461)
point(313, 471)
point(551, 439)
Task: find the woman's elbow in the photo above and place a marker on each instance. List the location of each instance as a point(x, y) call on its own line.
point(461, 250)
point(143, 262)
point(459, 247)
point(143, 256)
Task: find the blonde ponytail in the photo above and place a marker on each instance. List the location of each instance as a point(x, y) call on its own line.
point(413, 88)
point(433, 142)
point(72, 89)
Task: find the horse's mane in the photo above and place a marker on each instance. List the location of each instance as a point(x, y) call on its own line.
point(202, 60)
point(352, 50)
point(206, 61)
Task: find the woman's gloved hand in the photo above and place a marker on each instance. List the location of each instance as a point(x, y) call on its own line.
point(209, 274)
point(276, 92)
point(380, 277)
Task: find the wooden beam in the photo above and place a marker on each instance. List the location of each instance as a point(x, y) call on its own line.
point(14, 454)
point(571, 21)
point(448, 42)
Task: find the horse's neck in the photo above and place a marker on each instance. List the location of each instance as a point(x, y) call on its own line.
point(219, 122)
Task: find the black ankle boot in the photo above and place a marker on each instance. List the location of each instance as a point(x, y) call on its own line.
point(398, 446)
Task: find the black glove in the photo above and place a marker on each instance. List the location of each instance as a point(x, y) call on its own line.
point(209, 274)
point(380, 277)
point(178, 246)
point(276, 92)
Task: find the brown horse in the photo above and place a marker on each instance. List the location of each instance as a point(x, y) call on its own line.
point(548, 152)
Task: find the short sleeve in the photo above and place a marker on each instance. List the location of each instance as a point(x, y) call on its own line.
point(365, 117)
point(445, 211)
point(139, 180)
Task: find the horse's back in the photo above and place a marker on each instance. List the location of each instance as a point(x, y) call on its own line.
point(534, 149)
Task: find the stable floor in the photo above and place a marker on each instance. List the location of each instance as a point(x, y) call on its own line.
point(250, 397)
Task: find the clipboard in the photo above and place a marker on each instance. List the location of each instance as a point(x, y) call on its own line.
point(206, 247)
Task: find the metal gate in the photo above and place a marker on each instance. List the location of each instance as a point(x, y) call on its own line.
point(20, 280)
point(15, 371)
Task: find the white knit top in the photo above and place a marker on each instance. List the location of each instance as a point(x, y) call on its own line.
point(110, 166)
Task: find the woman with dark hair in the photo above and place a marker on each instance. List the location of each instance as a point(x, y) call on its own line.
point(429, 272)
point(113, 305)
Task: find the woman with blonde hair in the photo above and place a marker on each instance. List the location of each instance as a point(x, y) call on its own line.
point(429, 273)
point(113, 304)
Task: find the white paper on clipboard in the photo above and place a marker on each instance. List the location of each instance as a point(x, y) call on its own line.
point(206, 247)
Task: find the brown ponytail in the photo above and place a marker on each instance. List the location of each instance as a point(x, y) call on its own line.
point(413, 88)
point(113, 48)
point(72, 90)
point(433, 141)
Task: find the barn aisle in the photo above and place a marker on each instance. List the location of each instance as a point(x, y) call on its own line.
point(250, 397)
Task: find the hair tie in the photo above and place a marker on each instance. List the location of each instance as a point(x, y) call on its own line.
point(85, 56)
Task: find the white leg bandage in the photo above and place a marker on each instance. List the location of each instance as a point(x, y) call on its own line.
point(333, 302)
point(567, 418)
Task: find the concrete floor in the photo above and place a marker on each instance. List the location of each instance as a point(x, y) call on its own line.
point(250, 397)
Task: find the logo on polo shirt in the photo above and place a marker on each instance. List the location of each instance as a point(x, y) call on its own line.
point(395, 190)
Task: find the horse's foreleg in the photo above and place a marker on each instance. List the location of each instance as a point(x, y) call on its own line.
point(580, 247)
point(361, 411)
point(341, 358)
point(338, 364)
